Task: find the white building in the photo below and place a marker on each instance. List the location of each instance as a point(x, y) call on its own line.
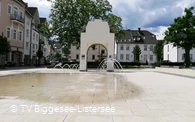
point(175, 54)
point(94, 53)
point(27, 37)
point(34, 33)
point(144, 39)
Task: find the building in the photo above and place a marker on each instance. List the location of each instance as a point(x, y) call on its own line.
point(27, 38)
point(12, 25)
point(94, 53)
point(44, 42)
point(175, 54)
point(34, 44)
point(144, 39)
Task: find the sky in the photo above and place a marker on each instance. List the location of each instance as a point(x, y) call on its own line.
point(152, 15)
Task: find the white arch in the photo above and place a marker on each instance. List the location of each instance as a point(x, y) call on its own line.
point(97, 32)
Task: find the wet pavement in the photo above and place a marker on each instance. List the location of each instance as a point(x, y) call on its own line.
point(47, 95)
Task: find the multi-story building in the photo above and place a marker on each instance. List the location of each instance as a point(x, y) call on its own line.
point(94, 53)
point(27, 38)
point(34, 45)
point(44, 42)
point(12, 25)
point(144, 39)
point(175, 54)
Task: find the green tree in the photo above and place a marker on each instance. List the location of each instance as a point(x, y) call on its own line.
point(70, 17)
point(136, 52)
point(158, 50)
point(58, 55)
point(4, 46)
point(46, 30)
point(4, 49)
point(182, 33)
point(39, 55)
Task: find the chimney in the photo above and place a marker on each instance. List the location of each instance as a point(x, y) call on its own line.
point(139, 29)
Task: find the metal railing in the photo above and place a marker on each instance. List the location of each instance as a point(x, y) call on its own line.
point(17, 18)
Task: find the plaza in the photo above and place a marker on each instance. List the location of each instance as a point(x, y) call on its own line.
point(148, 95)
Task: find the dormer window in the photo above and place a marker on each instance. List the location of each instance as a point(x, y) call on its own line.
point(138, 38)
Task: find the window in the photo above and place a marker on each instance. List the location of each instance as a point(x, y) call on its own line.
point(121, 56)
point(77, 47)
point(151, 47)
point(15, 11)
point(21, 14)
point(151, 57)
point(127, 56)
point(8, 32)
point(14, 34)
point(33, 35)
point(77, 56)
point(26, 45)
point(93, 57)
point(168, 48)
point(145, 47)
point(145, 57)
point(102, 52)
point(183, 56)
point(27, 33)
point(37, 37)
point(27, 22)
point(20, 35)
point(33, 46)
point(168, 57)
point(191, 57)
point(121, 48)
point(9, 9)
point(127, 47)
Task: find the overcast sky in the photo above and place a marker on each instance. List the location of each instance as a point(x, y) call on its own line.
point(153, 15)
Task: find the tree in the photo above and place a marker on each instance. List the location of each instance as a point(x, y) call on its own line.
point(4, 46)
point(4, 49)
point(39, 54)
point(46, 30)
point(69, 17)
point(136, 52)
point(182, 33)
point(158, 50)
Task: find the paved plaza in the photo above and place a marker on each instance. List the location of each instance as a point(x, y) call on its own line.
point(140, 95)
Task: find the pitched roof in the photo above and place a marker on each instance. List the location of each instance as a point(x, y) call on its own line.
point(32, 10)
point(42, 20)
point(138, 36)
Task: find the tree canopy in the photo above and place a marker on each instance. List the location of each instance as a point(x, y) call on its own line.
point(182, 33)
point(69, 17)
point(158, 50)
point(4, 45)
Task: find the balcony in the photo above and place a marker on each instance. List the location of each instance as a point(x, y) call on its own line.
point(17, 18)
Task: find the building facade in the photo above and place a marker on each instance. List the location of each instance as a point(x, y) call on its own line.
point(27, 38)
point(12, 25)
point(94, 53)
point(20, 24)
point(144, 39)
point(34, 45)
point(175, 54)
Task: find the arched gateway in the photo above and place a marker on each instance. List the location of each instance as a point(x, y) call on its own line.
point(97, 32)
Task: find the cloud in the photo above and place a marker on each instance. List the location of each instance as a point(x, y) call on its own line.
point(154, 15)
